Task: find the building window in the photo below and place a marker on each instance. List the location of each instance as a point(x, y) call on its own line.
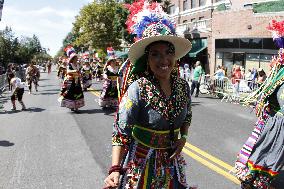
point(264, 62)
point(228, 62)
point(268, 44)
point(202, 3)
point(185, 21)
point(172, 9)
point(252, 62)
point(201, 17)
point(227, 43)
point(192, 20)
point(246, 43)
point(185, 5)
point(219, 59)
point(193, 3)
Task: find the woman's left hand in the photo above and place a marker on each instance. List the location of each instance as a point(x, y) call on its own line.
point(178, 146)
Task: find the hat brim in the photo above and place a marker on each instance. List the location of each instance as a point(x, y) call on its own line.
point(137, 50)
point(110, 59)
point(72, 56)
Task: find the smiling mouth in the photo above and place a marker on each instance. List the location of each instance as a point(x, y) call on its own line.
point(163, 67)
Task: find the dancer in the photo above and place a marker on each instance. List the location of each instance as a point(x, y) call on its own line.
point(32, 76)
point(109, 95)
point(86, 72)
point(154, 113)
point(262, 156)
point(71, 95)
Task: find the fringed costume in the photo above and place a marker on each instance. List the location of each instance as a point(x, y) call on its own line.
point(149, 122)
point(262, 156)
point(71, 95)
point(144, 122)
point(109, 95)
point(87, 75)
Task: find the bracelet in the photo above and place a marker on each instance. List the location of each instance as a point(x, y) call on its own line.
point(184, 136)
point(115, 168)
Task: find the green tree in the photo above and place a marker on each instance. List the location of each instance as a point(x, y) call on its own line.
point(95, 26)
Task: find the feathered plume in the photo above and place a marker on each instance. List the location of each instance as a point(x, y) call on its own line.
point(142, 14)
point(69, 50)
point(277, 29)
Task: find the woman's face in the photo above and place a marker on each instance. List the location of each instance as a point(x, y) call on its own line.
point(161, 60)
point(112, 63)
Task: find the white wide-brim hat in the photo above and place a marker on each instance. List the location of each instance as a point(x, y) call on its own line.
point(137, 49)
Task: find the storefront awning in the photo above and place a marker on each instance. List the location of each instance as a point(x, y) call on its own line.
point(198, 45)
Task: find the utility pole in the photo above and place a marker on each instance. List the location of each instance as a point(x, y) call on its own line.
point(1, 8)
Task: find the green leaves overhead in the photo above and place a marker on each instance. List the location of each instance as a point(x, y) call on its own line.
point(101, 24)
point(95, 26)
point(20, 50)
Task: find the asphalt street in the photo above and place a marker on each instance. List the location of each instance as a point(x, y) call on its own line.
point(51, 147)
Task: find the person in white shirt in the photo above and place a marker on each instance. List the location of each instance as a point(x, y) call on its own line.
point(17, 92)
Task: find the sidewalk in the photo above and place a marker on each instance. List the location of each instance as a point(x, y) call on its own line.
point(43, 148)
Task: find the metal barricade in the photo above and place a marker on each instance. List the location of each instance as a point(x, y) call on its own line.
point(3, 83)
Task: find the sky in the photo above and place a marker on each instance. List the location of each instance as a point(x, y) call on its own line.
point(49, 20)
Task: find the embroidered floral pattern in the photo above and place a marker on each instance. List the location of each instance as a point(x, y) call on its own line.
point(174, 105)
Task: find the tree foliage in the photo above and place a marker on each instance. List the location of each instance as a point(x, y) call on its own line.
point(101, 24)
point(20, 51)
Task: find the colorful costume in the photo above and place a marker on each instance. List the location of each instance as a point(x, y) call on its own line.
point(144, 121)
point(62, 71)
point(86, 72)
point(32, 76)
point(109, 95)
point(71, 92)
point(71, 95)
point(262, 156)
point(98, 70)
point(148, 122)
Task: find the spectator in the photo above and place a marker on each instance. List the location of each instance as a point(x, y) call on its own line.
point(236, 78)
point(10, 72)
point(220, 73)
point(18, 91)
point(197, 75)
point(249, 75)
point(187, 72)
point(261, 76)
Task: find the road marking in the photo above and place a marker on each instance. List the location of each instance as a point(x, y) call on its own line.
point(197, 155)
point(209, 157)
point(211, 166)
point(94, 92)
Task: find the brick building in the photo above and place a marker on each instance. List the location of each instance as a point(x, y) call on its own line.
point(226, 32)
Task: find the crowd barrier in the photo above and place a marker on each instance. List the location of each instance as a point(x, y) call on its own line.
point(3, 83)
point(225, 89)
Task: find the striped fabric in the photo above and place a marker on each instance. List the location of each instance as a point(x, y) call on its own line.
point(246, 150)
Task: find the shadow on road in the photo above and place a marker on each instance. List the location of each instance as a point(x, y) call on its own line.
point(6, 143)
point(30, 109)
point(42, 86)
point(106, 111)
point(195, 103)
point(48, 93)
point(34, 109)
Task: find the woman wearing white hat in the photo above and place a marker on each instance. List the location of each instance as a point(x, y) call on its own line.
point(109, 95)
point(154, 113)
point(71, 95)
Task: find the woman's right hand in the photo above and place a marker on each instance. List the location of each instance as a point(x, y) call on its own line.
point(112, 180)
